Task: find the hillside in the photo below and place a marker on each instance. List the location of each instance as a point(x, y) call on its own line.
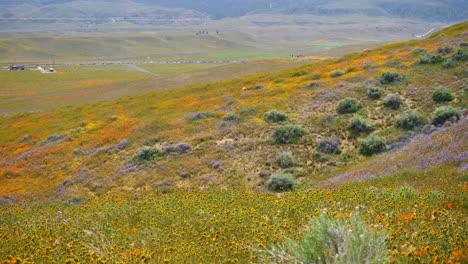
point(185, 175)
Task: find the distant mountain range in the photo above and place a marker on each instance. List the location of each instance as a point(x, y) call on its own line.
point(199, 11)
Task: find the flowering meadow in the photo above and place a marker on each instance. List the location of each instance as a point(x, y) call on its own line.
point(202, 173)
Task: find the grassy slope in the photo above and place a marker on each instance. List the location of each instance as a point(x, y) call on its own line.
point(32, 91)
point(434, 198)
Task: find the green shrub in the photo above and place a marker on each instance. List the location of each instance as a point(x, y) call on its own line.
point(146, 154)
point(418, 51)
point(389, 77)
point(316, 76)
point(329, 146)
point(372, 145)
point(449, 63)
point(281, 182)
point(442, 94)
point(231, 117)
point(200, 115)
point(463, 44)
point(336, 240)
point(285, 160)
point(430, 59)
point(374, 92)
point(287, 134)
point(445, 49)
point(359, 124)
point(337, 73)
point(249, 111)
point(275, 116)
point(348, 105)
point(410, 119)
point(444, 113)
point(299, 73)
point(461, 54)
point(393, 101)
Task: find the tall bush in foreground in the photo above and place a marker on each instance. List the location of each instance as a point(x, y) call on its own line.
point(281, 182)
point(336, 240)
point(372, 145)
point(393, 101)
point(275, 116)
point(348, 105)
point(285, 160)
point(444, 113)
point(374, 92)
point(287, 134)
point(410, 119)
point(359, 124)
point(389, 77)
point(146, 154)
point(442, 94)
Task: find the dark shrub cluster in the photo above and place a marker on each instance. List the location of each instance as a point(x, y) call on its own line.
point(359, 124)
point(146, 154)
point(449, 63)
point(389, 77)
point(374, 92)
point(410, 119)
point(285, 160)
point(287, 134)
point(299, 73)
point(316, 76)
point(348, 105)
point(461, 54)
point(231, 117)
point(183, 147)
point(372, 145)
point(442, 94)
point(281, 182)
point(444, 113)
point(200, 115)
point(393, 101)
point(275, 116)
point(329, 146)
point(418, 51)
point(430, 59)
point(463, 44)
point(313, 84)
point(445, 50)
point(336, 73)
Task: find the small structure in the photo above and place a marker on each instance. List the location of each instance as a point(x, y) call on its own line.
point(51, 70)
point(17, 68)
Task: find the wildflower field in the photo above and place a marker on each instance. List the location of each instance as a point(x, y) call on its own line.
point(200, 174)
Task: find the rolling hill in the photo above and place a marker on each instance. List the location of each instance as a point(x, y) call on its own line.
point(201, 173)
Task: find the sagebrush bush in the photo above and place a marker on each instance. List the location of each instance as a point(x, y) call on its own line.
point(281, 182)
point(337, 240)
point(348, 105)
point(393, 101)
point(231, 117)
point(445, 49)
point(418, 51)
point(329, 146)
point(442, 94)
point(336, 73)
point(430, 59)
point(249, 111)
point(463, 44)
point(316, 76)
point(147, 153)
point(389, 77)
point(410, 119)
point(449, 63)
point(444, 113)
point(374, 92)
point(285, 160)
point(461, 54)
point(372, 145)
point(359, 124)
point(275, 116)
point(183, 147)
point(287, 134)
